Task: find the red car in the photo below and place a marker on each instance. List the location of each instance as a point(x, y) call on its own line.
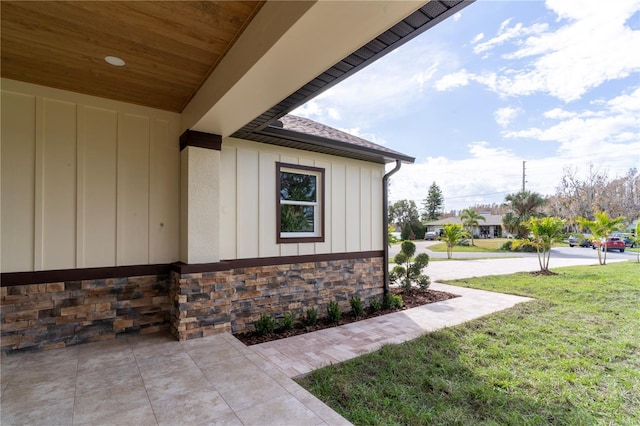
point(612, 243)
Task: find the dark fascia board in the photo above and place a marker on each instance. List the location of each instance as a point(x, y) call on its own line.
point(432, 13)
point(344, 147)
point(201, 140)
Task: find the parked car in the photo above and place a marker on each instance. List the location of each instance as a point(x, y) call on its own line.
point(586, 242)
point(612, 243)
point(431, 236)
point(581, 240)
point(628, 241)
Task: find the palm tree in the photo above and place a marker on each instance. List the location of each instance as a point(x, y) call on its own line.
point(470, 220)
point(524, 205)
point(545, 232)
point(452, 233)
point(601, 228)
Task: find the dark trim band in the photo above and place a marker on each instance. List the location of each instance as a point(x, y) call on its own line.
point(9, 279)
point(226, 265)
point(201, 140)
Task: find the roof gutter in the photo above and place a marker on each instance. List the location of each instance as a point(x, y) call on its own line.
point(385, 224)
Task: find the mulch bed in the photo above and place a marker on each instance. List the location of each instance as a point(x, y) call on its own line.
point(412, 299)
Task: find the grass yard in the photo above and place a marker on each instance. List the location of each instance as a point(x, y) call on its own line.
point(571, 357)
point(481, 245)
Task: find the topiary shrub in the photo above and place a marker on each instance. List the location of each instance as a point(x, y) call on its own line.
point(405, 273)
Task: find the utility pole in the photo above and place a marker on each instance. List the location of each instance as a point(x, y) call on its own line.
point(523, 175)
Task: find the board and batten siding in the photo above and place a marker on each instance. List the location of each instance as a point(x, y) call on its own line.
point(353, 202)
point(86, 182)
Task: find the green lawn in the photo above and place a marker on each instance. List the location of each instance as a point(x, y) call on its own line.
point(571, 357)
point(480, 245)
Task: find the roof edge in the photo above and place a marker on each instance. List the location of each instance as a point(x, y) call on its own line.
point(313, 140)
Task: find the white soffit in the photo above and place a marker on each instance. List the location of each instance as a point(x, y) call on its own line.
point(286, 45)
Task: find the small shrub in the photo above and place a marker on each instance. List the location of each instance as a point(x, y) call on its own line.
point(392, 301)
point(310, 318)
point(506, 246)
point(288, 321)
point(333, 312)
point(375, 305)
point(265, 325)
point(357, 306)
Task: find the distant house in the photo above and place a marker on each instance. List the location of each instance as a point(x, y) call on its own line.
point(170, 189)
point(491, 227)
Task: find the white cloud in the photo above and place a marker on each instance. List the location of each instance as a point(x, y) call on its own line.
point(477, 38)
point(450, 81)
point(504, 116)
point(604, 132)
point(457, 17)
point(505, 34)
point(567, 62)
point(396, 82)
point(558, 113)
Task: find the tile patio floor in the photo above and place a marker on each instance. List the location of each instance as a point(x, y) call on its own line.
point(217, 380)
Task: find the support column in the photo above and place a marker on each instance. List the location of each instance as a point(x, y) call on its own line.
point(200, 197)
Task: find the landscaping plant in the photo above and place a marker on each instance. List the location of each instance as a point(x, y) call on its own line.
point(545, 231)
point(288, 321)
point(265, 324)
point(452, 233)
point(375, 305)
point(601, 228)
point(357, 306)
point(334, 313)
point(407, 272)
point(310, 318)
point(392, 301)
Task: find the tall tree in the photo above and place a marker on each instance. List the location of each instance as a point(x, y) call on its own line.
point(545, 231)
point(405, 214)
point(470, 219)
point(523, 205)
point(433, 204)
point(601, 228)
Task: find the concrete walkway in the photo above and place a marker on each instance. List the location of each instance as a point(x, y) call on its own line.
point(301, 354)
point(155, 380)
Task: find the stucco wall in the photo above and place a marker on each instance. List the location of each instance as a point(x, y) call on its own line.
point(86, 182)
point(353, 197)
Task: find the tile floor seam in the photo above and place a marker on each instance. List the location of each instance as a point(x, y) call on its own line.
point(146, 391)
point(75, 390)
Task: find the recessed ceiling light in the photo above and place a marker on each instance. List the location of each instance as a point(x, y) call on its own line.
point(115, 61)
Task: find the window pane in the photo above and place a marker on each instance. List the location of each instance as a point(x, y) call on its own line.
point(297, 187)
point(296, 218)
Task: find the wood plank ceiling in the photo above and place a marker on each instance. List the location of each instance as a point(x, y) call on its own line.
point(170, 47)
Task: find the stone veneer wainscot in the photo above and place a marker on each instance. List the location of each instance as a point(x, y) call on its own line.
point(232, 300)
point(59, 314)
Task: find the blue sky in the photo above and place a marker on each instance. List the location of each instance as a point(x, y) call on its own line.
point(554, 83)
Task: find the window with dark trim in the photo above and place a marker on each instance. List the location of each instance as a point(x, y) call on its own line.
point(300, 203)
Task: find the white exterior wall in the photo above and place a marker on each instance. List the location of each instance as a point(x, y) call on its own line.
point(353, 202)
point(86, 182)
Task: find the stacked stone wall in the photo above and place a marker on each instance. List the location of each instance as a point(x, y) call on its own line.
point(233, 300)
point(58, 314)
